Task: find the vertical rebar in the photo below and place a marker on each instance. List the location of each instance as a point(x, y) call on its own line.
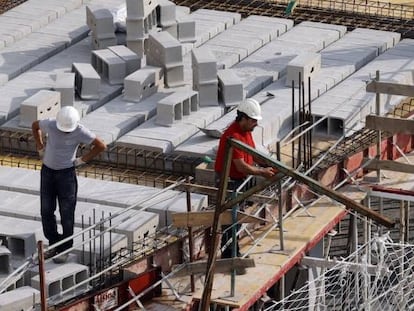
point(42, 277)
point(299, 160)
point(293, 123)
point(190, 234)
point(378, 112)
point(279, 184)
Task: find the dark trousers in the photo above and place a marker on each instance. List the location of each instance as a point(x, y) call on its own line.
point(58, 186)
point(233, 185)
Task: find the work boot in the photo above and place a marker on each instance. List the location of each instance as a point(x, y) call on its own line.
point(61, 258)
point(49, 253)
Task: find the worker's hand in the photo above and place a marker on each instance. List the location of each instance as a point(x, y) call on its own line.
point(267, 172)
point(78, 162)
point(41, 152)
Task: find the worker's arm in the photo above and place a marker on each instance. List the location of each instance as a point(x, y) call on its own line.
point(97, 147)
point(248, 169)
point(37, 134)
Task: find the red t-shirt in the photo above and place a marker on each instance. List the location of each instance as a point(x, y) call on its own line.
point(234, 131)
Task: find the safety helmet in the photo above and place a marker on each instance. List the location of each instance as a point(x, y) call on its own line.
point(251, 108)
point(67, 119)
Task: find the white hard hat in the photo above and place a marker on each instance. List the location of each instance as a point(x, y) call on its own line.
point(67, 119)
point(251, 108)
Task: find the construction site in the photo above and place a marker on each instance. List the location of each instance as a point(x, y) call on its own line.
point(159, 81)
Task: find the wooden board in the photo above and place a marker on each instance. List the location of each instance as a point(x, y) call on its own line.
point(392, 125)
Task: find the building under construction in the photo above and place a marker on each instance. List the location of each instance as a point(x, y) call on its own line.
point(158, 81)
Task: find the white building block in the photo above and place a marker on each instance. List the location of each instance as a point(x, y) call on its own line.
point(103, 43)
point(5, 260)
point(166, 13)
point(133, 62)
point(142, 83)
point(62, 277)
point(186, 30)
point(306, 64)
point(164, 49)
point(42, 105)
point(174, 76)
point(138, 227)
point(22, 298)
point(230, 87)
point(175, 106)
point(204, 66)
point(87, 81)
point(101, 22)
point(137, 46)
point(22, 245)
point(109, 65)
point(140, 8)
point(207, 94)
point(65, 84)
point(137, 28)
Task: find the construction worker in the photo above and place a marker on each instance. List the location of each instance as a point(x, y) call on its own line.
point(242, 164)
point(58, 179)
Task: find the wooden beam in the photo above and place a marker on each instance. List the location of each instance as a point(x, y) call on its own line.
point(375, 164)
point(390, 88)
point(205, 218)
point(222, 266)
point(392, 125)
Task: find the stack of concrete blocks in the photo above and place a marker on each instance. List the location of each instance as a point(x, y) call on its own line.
point(133, 62)
point(101, 23)
point(65, 85)
point(231, 90)
point(164, 51)
point(143, 83)
point(62, 277)
point(180, 27)
point(109, 66)
point(141, 18)
point(304, 65)
point(42, 105)
point(174, 107)
point(87, 81)
point(204, 66)
point(22, 298)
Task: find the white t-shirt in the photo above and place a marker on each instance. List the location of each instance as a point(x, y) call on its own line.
point(61, 147)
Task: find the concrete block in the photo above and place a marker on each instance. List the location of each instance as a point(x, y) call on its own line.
point(166, 13)
point(142, 83)
point(137, 46)
point(136, 28)
point(103, 43)
point(186, 30)
point(207, 94)
point(230, 87)
point(133, 62)
point(138, 227)
point(174, 76)
point(22, 298)
point(5, 260)
point(62, 277)
point(65, 84)
point(172, 30)
point(165, 49)
point(42, 105)
point(204, 66)
point(22, 245)
point(140, 8)
point(101, 22)
point(109, 65)
point(305, 65)
point(87, 81)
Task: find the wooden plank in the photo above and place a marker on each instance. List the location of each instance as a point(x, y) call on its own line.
point(205, 218)
point(390, 88)
point(375, 164)
point(222, 266)
point(392, 125)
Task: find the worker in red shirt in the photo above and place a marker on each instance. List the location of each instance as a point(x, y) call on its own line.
point(242, 164)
